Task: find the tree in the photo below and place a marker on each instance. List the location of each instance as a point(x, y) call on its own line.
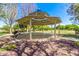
point(9, 14)
point(71, 27)
point(73, 11)
point(1, 10)
point(41, 27)
point(27, 8)
point(60, 27)
point(5, 28)
point(16, 26)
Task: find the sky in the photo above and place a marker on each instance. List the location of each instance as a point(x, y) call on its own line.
point(58, 10)
point(53, 9)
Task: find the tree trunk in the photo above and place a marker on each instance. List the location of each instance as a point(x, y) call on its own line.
point(10, 30)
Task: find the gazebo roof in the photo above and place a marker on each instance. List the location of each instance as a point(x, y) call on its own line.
point(49, 21)
point(38, 12)
point(39, 18)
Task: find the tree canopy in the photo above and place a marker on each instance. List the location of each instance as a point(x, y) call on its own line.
point(73, 11)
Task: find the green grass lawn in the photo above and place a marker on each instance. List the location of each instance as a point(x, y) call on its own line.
point(65, 33)
point(71, 35)
point(61, 31)
point(2, 33)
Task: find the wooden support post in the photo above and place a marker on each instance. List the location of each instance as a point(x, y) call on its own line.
point(42, 28)
point(27, 28)
point(51, 28)
point(30, 29)
point(55, 31)
point(59, 30)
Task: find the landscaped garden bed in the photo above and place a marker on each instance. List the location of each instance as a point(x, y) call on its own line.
point(40, 48)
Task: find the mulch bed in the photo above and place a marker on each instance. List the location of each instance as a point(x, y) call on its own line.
point(43, 48)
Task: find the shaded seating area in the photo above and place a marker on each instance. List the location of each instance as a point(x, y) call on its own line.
point(38, 18)
point(35, 35)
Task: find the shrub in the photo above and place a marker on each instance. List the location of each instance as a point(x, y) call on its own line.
point(2, 49)
point(10, 46)
point(76, 43)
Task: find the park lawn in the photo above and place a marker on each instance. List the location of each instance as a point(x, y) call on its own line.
point(2, 33)
point(65, 33)
point(71, 35)
point(61, 31)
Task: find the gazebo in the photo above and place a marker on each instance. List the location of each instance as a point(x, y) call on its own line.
point(39, 18)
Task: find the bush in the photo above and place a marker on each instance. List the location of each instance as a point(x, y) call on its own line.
point(5, 28)
point(76, 43)
point(10, 46)
point(2, 49)
point(62, 27)
point(2, 33)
